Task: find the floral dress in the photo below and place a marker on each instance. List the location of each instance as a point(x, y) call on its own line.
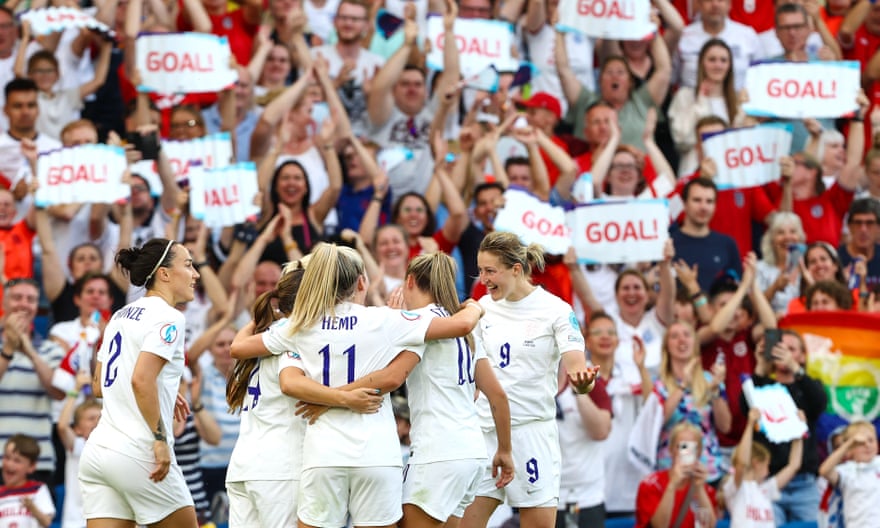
point(702, 417)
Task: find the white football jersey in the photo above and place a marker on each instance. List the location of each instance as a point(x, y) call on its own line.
point(524, 339)
point(146, 325)
point(441, 391)
point(356, 341)
point(268, 425)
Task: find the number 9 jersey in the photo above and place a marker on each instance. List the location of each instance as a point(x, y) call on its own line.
point(524, 340)
point(147, 325)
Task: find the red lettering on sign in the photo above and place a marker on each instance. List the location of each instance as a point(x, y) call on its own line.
point(629, 231)
point(222, 196)
point(542, 225)
point(746, 156)
point(606, 9)
point(66, 174)
point(792, 89)
point(474, 45)
point(179, 63)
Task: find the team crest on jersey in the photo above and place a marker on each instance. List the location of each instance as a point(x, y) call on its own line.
point(410, 316)
point(168, 333)
point(292, 354)
point(572, 318)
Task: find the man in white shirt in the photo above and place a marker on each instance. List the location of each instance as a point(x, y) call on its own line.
point(349, 63)
point(715, 23)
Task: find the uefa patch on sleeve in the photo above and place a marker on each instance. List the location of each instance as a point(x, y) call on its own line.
point(410, 316)
point(572, 318)
point(292, 354)
point(168, 333)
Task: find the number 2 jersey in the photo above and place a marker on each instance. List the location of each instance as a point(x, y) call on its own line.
point(146, 325)
point(337, 350)
point(524, 340)
point(440, 391)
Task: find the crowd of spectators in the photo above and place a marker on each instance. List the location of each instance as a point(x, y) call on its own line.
point(325, 98)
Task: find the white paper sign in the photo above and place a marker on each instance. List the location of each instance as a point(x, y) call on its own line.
point(55, 19)
point(748, 157)
point(223, 197)
point(612, 232)
point(607, 19)
point(184, 63)
point(212, 151)
point(534, 221)
point(480, 43)
point(802, 89)
point(83, 174)
point(779, 417)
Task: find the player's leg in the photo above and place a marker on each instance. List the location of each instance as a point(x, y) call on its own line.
point(183, 518)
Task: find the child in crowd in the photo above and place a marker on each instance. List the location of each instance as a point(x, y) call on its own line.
point(859, 477)
point(23, 503)
point(75, 424)
point(748, 492)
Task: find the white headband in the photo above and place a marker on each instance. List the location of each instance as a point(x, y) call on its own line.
point(159, 263)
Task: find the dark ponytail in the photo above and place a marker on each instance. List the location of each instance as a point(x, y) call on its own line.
point(141, 263)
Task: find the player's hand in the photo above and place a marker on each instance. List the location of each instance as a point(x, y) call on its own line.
point(502, 468)
point(364, 401)
point(582, 380)
point(310, 411)
point(181, 408)
point(163, 460)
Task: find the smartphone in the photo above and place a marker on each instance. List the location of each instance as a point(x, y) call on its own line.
point(794, 255)
point(146, 144)
point(687, 452)
point(772, 337)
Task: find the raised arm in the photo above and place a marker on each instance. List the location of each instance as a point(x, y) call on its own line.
point(53, 270)
point(274, 113)
point(661, 165)
point(602, 162)
point(458, 220)
point(571, 86)
point(658, 82)
point(852, 171)
point(327, 201)
point(380, 101)
point(102, 67)
point(673, 23)
point(851, 23)
point(666, 297)
point(814, 10)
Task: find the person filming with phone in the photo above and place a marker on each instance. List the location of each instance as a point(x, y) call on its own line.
point(678, 497)
point(781, 356)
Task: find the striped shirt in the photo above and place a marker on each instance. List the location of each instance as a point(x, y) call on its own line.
point(186, 450)
point(214, 399)
point(25, 406)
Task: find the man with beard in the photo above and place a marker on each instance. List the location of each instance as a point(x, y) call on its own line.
point(352, 66)
point(714, 254)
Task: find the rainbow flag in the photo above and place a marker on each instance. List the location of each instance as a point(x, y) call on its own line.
point(843, 352)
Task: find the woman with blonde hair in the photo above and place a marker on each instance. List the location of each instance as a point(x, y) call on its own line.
point(448, 453)
point(526, 333)
point(688, 393)
point(351, 461)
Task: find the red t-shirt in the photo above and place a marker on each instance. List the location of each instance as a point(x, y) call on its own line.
point(735, 209)
point(17, 242)
point(651, 491)
point(863, 48)
point(739, 359)
point(822, 216)
point(552, 169)
point(231, 25)
point(443, 244)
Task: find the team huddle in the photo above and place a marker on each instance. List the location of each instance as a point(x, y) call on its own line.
point(314, 349)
